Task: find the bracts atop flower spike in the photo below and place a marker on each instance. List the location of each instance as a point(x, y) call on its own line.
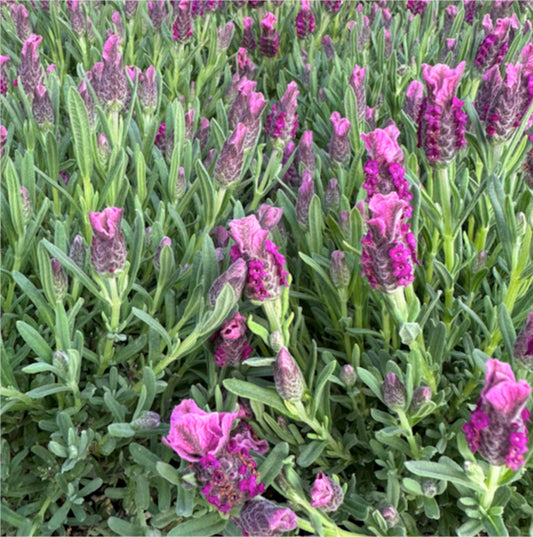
point(108, 246)
point(497, 427)
point(218, 453)
point(265, 264)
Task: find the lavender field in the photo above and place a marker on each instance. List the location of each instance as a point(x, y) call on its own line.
point(266, 267)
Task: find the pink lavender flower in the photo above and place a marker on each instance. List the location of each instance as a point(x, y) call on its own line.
point(42, 109)
point(232, 347)
point(265, 264)
point(413, 99)
point(470, 10)
point(248, 39)
point(497, 427)
point(306, 155)
point(393, 391)
point(441, 129)
point(390, 515)
point(130, 7)
point(357, 81)
point(326, 493)
point(148, 95)
point(189, 123)
point(338, 269)
point(305, 21)
point(202, 133)
point(332, 6)
point(417, 6)
point(269, 216)
point(182, 28)
point(496, 42)
point(224, 36)
point(19, 14)
point(389, 247)
point(269, 41)
point(218, 457)
point(108, 246)
point(283, 120)
point(245, 65)
point(305, 195)
point(384, 170)
point(77, 18)
point(30, 70)
point(3, 74)
point(339, 144)
point(229, 164)
point(263, 518)
point(523, 346)
point(236, 276)
point(288, 377)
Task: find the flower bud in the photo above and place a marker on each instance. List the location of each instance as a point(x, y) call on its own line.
point(148, 90)
point(181, 183)
point(329, 49)
point(248, 40)
point(165, 241)
point(421, 395)
point(19, 14)
point(229, 164)
point(339, 144)
point(42, 107)
point(390, 515)
point(60, 362)
point(27, 208)
point(276, 341)
point(59, 278)
point(338, 269)
point(78, 251)
point(305, 195)
point(326, 493)
point(269, 216)
point(147, 421)
point(157, 11)
point(305, 21)
point(348, 375)
point(429, 488)
point(357, 81)
point(264, 518)
point(333, 195)
point(235, 275)
point(344, 222)
point(224, 36)
point(182, 28)
point(288, 377)
point(30, 70)
point(523, 346)
point(104, 149)
point(393, 391)
point(306, 155)
point(108, 246)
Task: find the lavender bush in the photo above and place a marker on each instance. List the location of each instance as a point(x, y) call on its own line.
point(266, 267)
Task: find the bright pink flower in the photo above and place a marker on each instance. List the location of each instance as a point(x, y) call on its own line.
point(497, 427)
point(326, 493)
point(232, 347)
point(442, 81)
point(195, 433)
point(269, 41)
point(248, 40)
point(182, 28)
point(282, 122)
point(229, 164)
point(305, 21)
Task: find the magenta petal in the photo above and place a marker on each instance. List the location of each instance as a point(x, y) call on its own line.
point(509, 397)
point(106, 222)
point(248, 235)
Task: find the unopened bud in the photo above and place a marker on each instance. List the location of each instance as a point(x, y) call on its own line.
point(429, 488)
point(480, 261)
point(333, 195)
point(26, 204)
point(59, 278)
point(60, 362)
point(421, 396)
point(104, 149)
point(390, 515)
point(181, 183)
point(338, 269)
point(305, 194)
point(78, 251)
point(393, 391)
point(276, 341)
point(288, 377)
point(235, 275)
point(523, 346)
point(348, 375)
point(147, 421)
point(165, 241)
point(344, 222)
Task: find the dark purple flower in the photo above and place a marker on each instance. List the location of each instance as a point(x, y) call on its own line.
point(417, 7)
point(231, 344)
point(269, 41)
point(332, 6)
point(108, 246)
point(182, 28)
point(326, 493)
point(413, 99)
point(306, 155)
point(248, 40)
point(283, 120)
point(497, 427)
point(202, 133)
point(523, 346)
point(109, 78)
point(3, 74)
point(305, 21)
point(245, 64)
point(494, 46)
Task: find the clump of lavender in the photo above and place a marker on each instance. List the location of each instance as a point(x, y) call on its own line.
point(269, 41)
point(219, 456)
point(441, 127)
point(389, 247)
point(266, 273)
point(494, 46)
point(497, 427)
point(231, 344)
point(305, 21)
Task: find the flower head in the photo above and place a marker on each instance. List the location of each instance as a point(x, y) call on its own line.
point(269, 41)
point(326, 493)
point(232, 347)
point(497, 427)
point(263, 518)
point(288, 378)
point(108, 246)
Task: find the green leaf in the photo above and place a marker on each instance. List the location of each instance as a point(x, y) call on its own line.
point(310, 453)
point(506, 328)
point(270, 468)
point(495, 526)
point(60, 516)
point(35, 341)
point(371, 381)
point(15, 200)
point(258, 330)
point(47, 389)
point(322, 379)
point(35, 296)
point(62, 331)
point(316, 225)
point(121, 430)
point(223, 305)
point(81, 132)
point(122, 527)
point(144, 456)
point(205, 526)
point(497, 200)
point(168, 472)
point(445, 469)
point(185, 501)
point(248, 390)
point(152, 323)
point(431, 508)
point(39, 367)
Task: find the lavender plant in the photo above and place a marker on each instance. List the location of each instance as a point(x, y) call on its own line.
point(266, 268)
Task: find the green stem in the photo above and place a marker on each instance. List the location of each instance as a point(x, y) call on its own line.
point(493, 482)
point(116, 302)
point(404, 421)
